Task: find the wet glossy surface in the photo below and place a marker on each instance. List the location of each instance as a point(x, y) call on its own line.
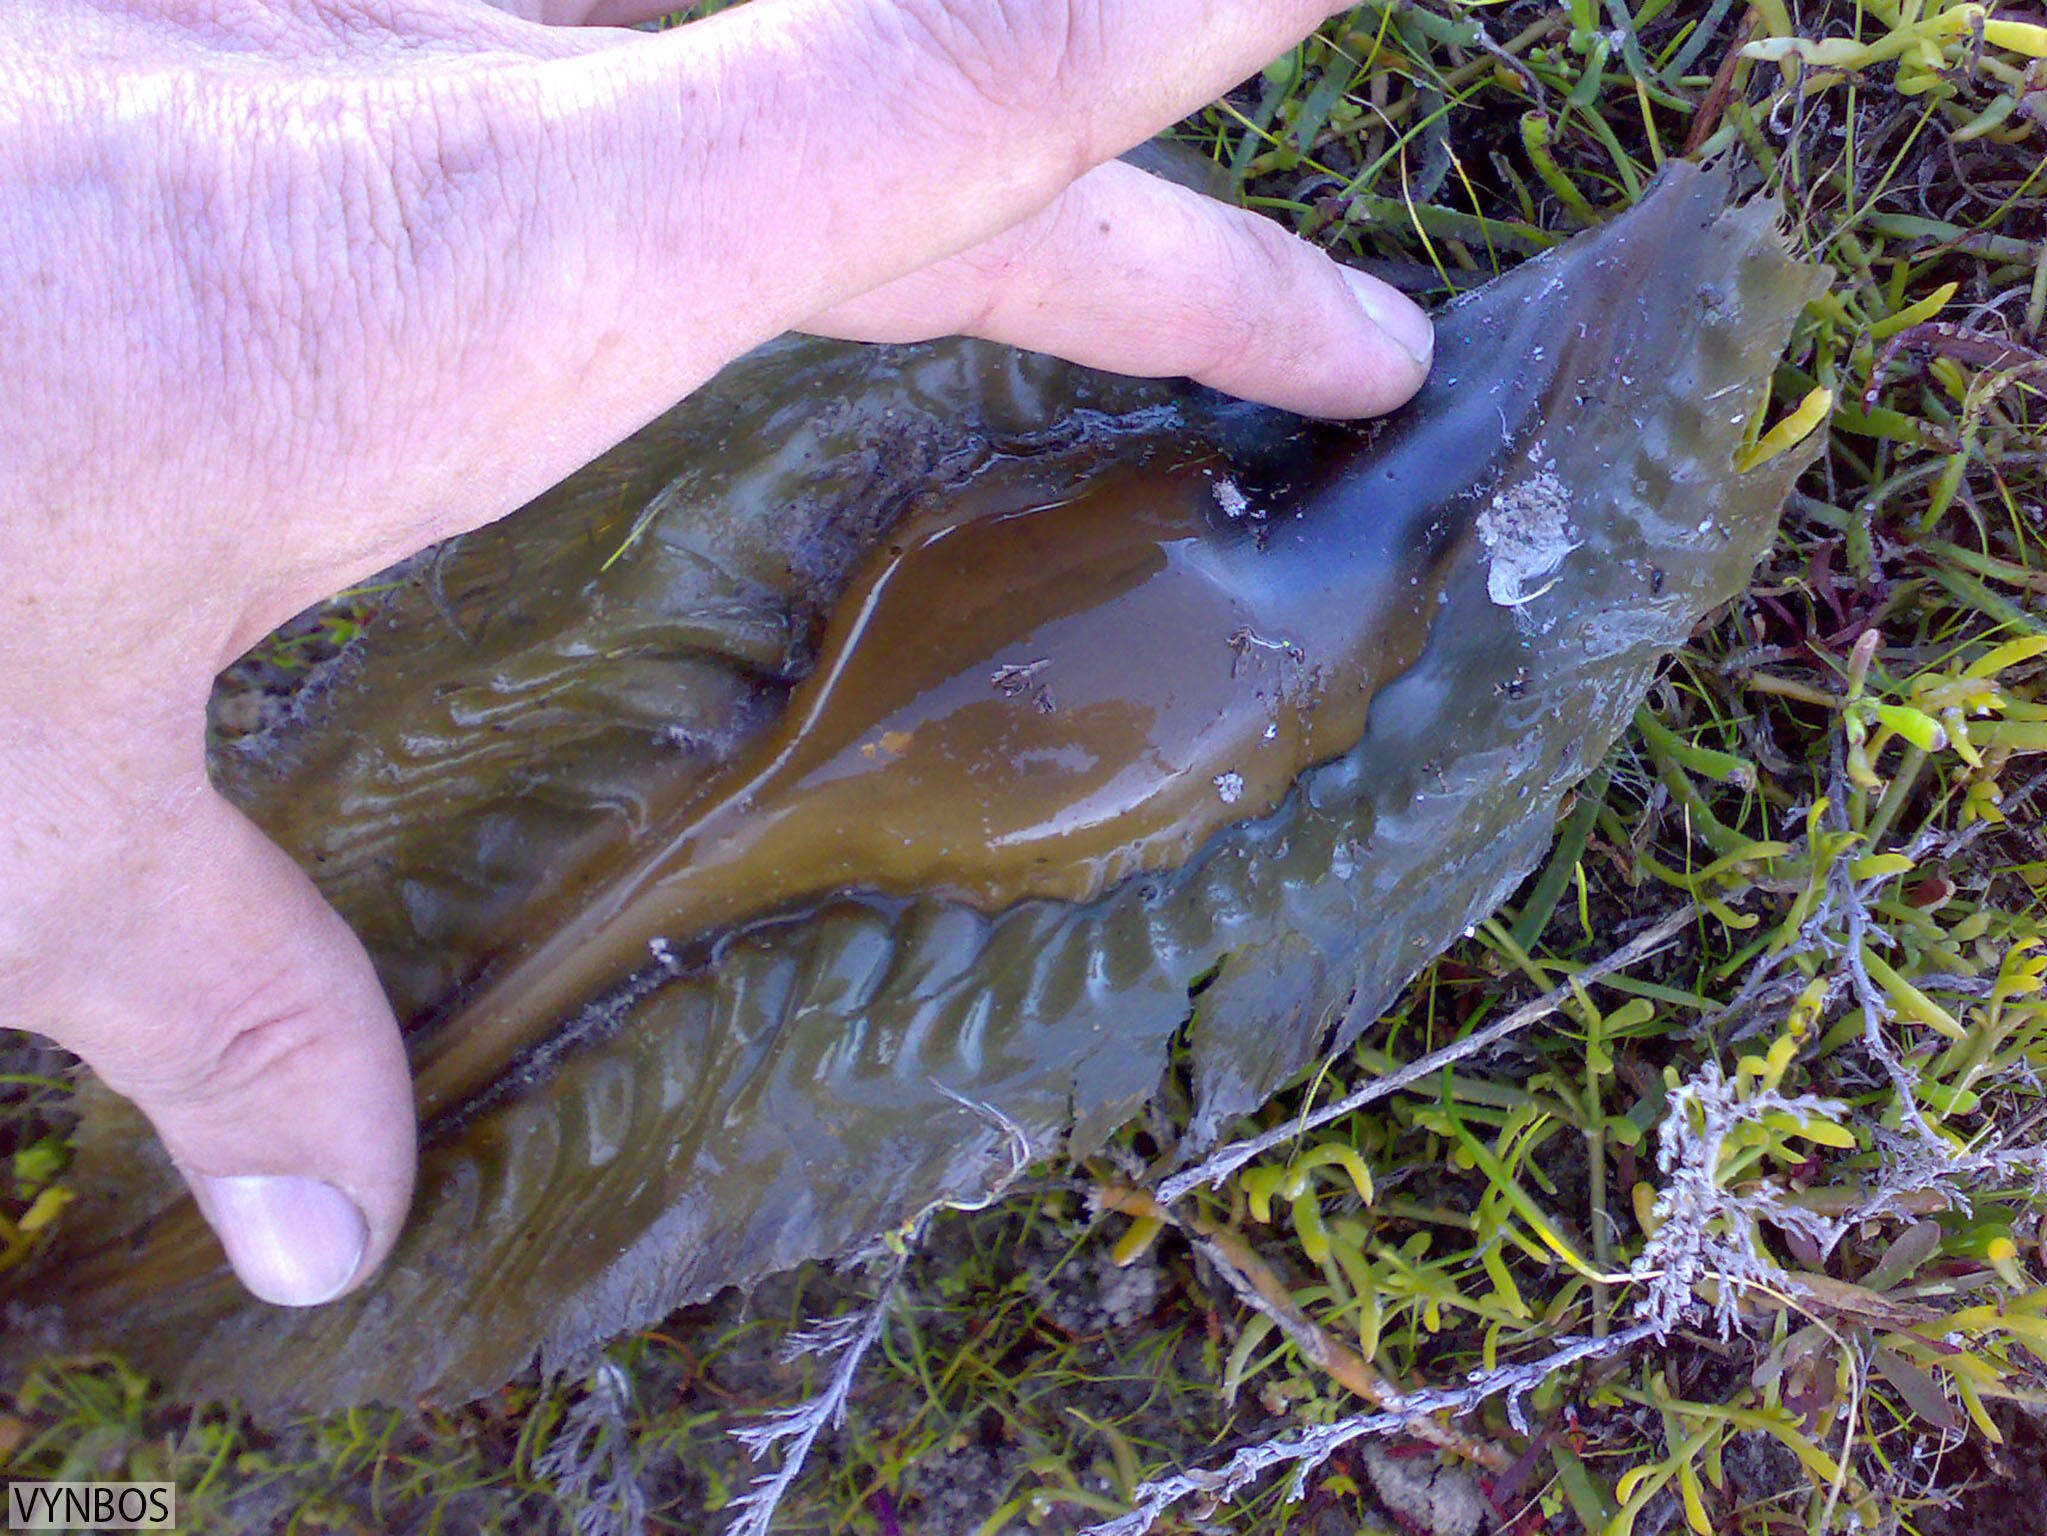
point(892, 730)
point(1066, 675)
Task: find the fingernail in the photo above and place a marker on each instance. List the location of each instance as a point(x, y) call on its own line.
point(1395, 315)
point(293, 1240)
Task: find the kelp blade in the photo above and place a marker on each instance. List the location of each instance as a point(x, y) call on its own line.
point(803, 1080)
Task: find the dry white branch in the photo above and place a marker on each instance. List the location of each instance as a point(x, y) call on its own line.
point(589, 1461)
point(1227, 1159)
point(1707, 1231)
point(1304, 1450)
point(842, 1342)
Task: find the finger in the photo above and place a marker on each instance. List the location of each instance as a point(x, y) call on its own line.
point(910, 130)
point(890, 133)
point(1133, 274)
point(241, 1016)
point(544, 251)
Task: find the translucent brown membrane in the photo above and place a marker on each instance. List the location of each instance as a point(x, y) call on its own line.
point(872, 755)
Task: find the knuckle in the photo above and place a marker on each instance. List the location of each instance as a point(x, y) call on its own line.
point(1220, 327)
point(1252, 307)
point(1013, 55)
point(229, 1037)
point(1264, 257)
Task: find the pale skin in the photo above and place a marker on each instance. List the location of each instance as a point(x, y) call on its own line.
point(290, 289)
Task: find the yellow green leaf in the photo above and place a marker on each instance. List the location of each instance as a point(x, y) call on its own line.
point(1871, 866)
point(44, 1208)
point(1914, 314)
point(2010, 654)
point(1916, 726)
point(1133, 1243)
point(1804, 417)
point(2026, 37)
point(1910, 1001)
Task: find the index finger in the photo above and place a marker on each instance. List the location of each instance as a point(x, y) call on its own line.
point(485, 267)
point(895, 133)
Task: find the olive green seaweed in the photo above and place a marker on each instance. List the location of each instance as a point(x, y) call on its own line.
point(859, 767)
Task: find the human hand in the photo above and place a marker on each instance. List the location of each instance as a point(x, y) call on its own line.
point(291, 288)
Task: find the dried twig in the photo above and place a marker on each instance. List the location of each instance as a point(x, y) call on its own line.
point(1305, 1450)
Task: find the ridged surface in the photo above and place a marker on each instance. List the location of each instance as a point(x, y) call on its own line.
point(784, 1088)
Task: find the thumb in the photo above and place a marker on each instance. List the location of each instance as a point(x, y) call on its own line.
point(238, 1012)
